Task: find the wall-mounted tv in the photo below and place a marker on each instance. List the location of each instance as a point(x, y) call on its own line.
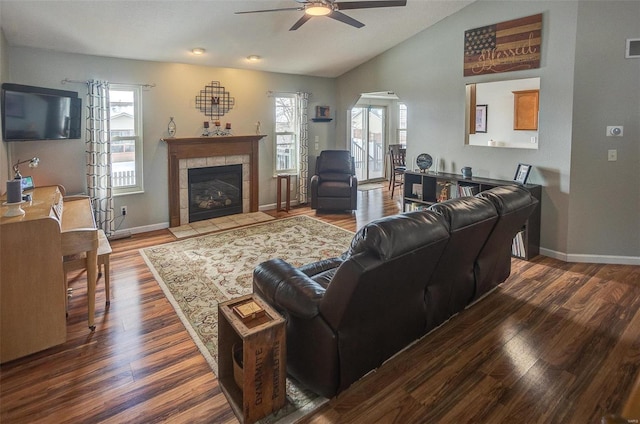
point(37, 113)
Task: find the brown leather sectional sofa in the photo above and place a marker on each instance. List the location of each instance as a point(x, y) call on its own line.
point(402, 276)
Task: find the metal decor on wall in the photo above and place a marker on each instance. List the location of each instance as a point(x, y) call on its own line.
point(214, 101)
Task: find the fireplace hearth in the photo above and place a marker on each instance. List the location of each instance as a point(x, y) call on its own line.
point(214, 191)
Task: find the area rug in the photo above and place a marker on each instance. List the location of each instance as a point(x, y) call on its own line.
point(198, 273)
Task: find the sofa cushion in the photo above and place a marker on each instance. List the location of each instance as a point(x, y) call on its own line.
point(493, 265)
point(334, 189)
point(334, 161)
point(394, 235)
point(335, 176)
point(452, 285)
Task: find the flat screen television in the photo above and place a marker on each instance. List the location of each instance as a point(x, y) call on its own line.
point(37, 113)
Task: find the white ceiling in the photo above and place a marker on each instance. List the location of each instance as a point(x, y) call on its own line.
point(166, 31)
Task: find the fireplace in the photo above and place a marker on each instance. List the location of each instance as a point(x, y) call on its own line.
point(214, 191)
point(200, 152)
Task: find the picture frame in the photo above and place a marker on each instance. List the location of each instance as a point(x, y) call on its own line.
point(481, 118)
point(323, 112)
point(522, 173)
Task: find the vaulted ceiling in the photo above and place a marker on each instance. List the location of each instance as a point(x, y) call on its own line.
point(167, 31)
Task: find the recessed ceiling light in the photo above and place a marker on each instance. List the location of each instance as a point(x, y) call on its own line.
point(198, 51)
point(253, 58)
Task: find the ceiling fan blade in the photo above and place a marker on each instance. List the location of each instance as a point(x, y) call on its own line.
point(270, 10)
point(300, 21)
point(339, 16)
point(369, 4)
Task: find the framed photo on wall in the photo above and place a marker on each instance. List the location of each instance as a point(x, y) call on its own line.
point(522, 173)
point(481, 118)
point(323, 112)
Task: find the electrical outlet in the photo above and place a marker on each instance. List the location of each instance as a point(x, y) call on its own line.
point(612, 155)
point(123, 210)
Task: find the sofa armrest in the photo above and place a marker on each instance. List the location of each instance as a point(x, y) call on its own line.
point(316, 268)
point(287, 288)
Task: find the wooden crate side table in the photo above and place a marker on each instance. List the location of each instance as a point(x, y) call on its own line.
point(263, 344)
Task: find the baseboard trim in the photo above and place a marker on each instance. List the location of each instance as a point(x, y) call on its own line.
point(135, 230)
point(596, 259)
point(272, 206)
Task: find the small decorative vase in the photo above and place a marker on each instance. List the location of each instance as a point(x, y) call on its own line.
point(171, 128)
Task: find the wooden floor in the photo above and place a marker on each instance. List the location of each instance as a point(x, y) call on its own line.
point(557, 343)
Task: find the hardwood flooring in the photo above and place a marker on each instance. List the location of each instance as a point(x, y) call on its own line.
point(557, 343)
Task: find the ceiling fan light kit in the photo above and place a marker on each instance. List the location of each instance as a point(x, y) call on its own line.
point(317, 9)
point(331, 9)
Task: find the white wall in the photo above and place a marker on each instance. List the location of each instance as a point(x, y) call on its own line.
point(426, 72)
point(604, 210)
point(62, 162)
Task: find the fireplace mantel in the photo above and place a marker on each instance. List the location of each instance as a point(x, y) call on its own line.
point(196, 147)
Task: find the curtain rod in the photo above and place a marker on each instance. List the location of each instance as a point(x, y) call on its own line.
point(70, 81)
point(275, 93)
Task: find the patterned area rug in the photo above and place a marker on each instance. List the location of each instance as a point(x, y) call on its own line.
point(197, 273)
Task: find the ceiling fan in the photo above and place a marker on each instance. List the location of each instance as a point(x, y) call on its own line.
point(332, 9)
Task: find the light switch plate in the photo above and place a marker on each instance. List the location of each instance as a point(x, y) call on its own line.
point(612, 155)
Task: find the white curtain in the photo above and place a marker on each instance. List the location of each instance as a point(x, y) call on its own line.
point(98, 152)
point(303, 173)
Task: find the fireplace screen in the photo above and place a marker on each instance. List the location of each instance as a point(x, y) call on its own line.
point(215, 191)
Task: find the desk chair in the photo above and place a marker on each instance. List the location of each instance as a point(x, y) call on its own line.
point(397, 155)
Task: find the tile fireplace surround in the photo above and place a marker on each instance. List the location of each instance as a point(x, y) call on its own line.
point(196, 152)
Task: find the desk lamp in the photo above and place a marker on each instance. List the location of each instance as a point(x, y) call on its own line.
point(33, 163)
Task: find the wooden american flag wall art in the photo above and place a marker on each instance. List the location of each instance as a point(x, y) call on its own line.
point(508, 46)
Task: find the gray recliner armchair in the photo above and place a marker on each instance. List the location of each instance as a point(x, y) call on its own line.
point(334, 185)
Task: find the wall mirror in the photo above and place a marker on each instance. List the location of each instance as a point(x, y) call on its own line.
point(503, 113)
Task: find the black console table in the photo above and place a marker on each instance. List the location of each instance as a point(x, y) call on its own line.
point(424, 189)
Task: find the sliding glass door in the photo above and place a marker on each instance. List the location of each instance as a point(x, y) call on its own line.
point(368, 141)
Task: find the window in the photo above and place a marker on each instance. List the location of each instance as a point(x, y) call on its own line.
point(402, 124)
point(126, 138)
point(286, 134)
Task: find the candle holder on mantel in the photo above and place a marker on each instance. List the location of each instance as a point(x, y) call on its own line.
point(218, 131)
point(171, 127)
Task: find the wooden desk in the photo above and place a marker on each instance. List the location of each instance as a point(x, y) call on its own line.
point(32, 292)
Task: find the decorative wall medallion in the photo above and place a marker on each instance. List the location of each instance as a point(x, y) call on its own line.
point(214, 101)
point(508, 46)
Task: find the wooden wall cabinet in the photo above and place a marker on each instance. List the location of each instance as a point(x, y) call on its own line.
point(421, 190)
point(525, 109)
